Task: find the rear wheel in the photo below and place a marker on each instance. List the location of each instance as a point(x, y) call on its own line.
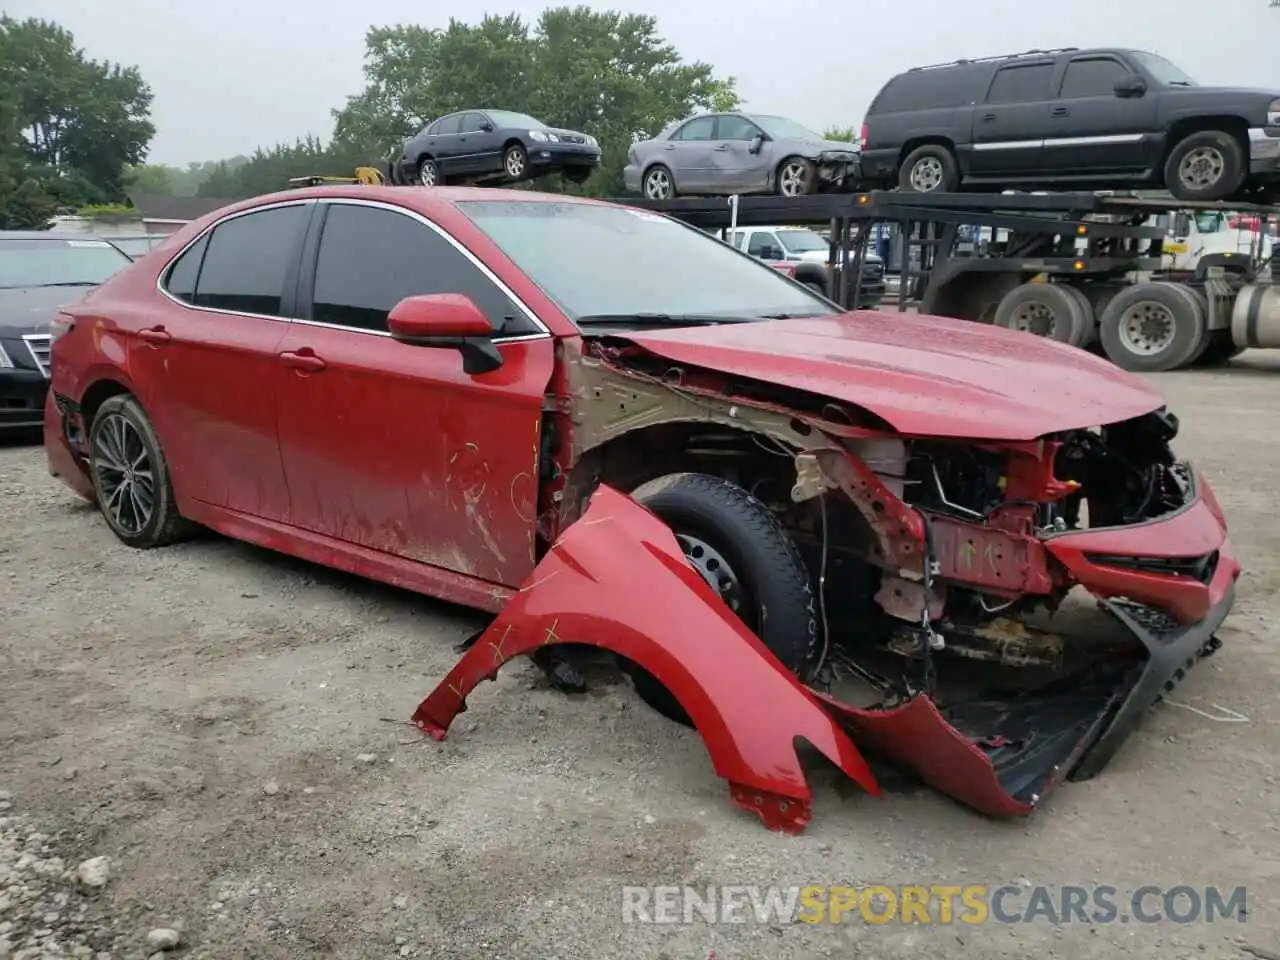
point(736, 545)
point(131, 476)
point(931, 168)
point(658, 184)
point(1219, 350)
point(1153, 327)
point(1046, 310)
point(428, 172)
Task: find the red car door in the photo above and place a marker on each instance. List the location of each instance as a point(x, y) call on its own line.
point(207, 364)
point(392, 446)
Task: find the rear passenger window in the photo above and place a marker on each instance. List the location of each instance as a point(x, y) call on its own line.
point(372, 258)
point(1091, 78)
point(247, 260)
point(181, 279)
point(934, 88)
point(1021, 84)
point(700, 128)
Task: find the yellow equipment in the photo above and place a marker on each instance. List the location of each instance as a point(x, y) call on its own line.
point(367, 176)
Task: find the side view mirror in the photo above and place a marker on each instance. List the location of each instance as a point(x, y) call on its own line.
point(1181, 225)
point(486, 126)
point(447, 320)
point(770, 253)
point(757, 143)
point(1131, 86)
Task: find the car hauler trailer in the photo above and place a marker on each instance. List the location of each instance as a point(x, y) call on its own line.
point(1088, 269)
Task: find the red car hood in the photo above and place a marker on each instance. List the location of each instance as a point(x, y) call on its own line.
point(930, 376)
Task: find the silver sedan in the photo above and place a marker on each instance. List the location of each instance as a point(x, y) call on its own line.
point(728, 153)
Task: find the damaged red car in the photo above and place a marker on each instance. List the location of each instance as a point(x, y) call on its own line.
point(612, 430)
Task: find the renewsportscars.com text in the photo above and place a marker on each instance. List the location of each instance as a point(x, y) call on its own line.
point(934, 904)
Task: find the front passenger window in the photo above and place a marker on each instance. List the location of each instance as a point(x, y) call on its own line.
point(371, 258)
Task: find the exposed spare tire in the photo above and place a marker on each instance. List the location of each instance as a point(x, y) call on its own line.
point(739, 547)
point(1047, 310)
point(1154, 326)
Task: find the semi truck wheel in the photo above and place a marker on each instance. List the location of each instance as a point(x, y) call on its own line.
point(1046, 310)
point(1090, 334)
point(1152, 327)
point(1219, 350)
point(745, 555)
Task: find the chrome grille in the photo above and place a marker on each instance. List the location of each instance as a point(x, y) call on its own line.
point(38, 344)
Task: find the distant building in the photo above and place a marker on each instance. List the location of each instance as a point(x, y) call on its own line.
point(154, 217)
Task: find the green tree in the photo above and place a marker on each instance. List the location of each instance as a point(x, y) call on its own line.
point(270, 169)
point(843, 134)
point(81, 120)
point(607, 73)
point(155, 178)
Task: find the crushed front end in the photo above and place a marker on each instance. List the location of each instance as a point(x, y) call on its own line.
point(963, 655)
point(948, 577)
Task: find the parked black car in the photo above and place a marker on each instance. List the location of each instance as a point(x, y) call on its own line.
point(1071, 118)
point(493, 146)
point(40, 271)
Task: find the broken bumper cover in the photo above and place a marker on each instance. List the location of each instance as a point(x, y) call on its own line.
point(596, 586)
point(999, 756)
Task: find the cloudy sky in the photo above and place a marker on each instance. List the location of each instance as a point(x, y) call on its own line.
point(232, 74)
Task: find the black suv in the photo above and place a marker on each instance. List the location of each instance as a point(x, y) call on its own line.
point(1071, 118)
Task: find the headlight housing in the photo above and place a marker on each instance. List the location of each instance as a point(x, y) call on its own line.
point(1273, 114)
point(537, 136)
point(591, 141)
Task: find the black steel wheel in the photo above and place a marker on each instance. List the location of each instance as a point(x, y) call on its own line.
point(736, 545)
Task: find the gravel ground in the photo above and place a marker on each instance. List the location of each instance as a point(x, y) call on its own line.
point(219, 722)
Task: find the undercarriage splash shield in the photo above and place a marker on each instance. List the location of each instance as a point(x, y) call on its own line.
point(617, 579)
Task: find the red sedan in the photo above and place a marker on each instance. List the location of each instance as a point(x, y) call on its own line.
point(611, 429)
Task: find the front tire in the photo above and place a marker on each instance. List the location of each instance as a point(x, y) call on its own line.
point(131, 476)
point(738, 546)
point(1209, 165)
point(515, 162)
point(797, 177)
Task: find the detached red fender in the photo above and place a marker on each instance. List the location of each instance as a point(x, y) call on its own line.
point(617, 579)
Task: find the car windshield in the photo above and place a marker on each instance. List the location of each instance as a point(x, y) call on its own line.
point(49, 262)
point(613, 261)
point(780, 128)
point(506, 118)
point(1162, 71)
point(802, 241)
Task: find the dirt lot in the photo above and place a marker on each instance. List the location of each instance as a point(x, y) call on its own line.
point(204, 716)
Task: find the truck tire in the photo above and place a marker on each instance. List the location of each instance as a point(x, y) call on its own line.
point(929, 169)
point(1049, 310)
point(1208, 165)
point(1219, 350)
point(738, 546)
point(1153, 327)
point(1090, 334)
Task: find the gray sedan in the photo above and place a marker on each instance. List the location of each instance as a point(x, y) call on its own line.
point(728, 153)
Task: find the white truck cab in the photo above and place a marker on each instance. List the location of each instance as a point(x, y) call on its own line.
point(785, 243)
point(1197, 234)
